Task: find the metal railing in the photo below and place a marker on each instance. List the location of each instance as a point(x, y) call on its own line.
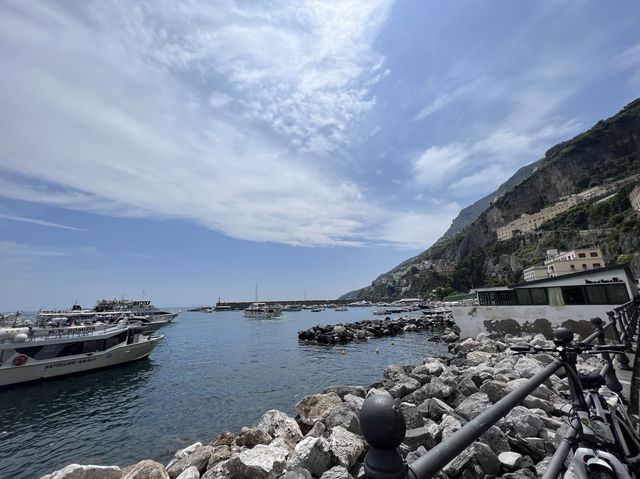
point(383, 425)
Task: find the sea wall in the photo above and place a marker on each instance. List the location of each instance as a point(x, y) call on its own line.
point(437, 397)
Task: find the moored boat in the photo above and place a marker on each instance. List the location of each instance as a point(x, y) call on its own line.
point(262, 311)
point(29, 354)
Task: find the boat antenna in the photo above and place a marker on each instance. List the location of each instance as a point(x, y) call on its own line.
point(256, 291)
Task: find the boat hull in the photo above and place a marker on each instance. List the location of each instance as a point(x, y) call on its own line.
point(33, 370)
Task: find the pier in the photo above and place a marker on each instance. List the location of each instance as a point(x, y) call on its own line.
point(241, 305)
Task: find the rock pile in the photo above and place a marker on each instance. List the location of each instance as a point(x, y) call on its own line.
point(436, 397)
point(374, 328)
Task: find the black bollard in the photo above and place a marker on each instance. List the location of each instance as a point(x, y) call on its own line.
point(383, 427)
point(623, 360)
point(608, 371)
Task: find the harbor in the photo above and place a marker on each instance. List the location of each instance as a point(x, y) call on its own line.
point(203, 378)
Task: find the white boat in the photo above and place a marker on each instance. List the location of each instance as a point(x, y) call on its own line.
point(29, 354)
point(262, 311)
point(341, 308)
point(106, 308)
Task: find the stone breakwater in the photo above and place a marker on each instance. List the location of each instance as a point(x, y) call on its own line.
point(375, 328)
point(437, 397)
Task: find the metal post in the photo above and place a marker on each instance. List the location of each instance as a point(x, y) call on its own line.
point(559, 457)
point(608, 371)
point(383, 427)
point(624, 329)
point(623, 360)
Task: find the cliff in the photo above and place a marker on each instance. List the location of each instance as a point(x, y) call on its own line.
point(473, 257)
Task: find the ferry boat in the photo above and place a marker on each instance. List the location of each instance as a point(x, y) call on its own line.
point(29, 354)
point(107, 309)
point(539, 306)
point(262, 311)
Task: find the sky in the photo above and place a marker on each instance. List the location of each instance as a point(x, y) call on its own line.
point(189, 151)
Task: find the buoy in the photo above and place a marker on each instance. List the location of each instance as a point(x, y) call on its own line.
point(20, 338)
point(393, 343)
point(377, 351)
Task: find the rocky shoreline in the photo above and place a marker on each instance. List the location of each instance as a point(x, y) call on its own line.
point(437, 397)
point(375, 328)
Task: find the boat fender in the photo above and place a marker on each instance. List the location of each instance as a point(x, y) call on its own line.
point(20, 338)
point(19, 360)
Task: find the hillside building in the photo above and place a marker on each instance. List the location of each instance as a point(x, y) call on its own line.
point(530, 222)
point(534, 273)
point(559, 264)
point(634, 198)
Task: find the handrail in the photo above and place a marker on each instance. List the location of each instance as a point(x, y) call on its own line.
point(383, 426)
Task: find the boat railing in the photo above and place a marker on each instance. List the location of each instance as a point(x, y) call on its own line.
point(44, 334)
point(383, 425)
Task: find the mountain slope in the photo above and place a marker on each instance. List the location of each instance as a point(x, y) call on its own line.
point(609, 151)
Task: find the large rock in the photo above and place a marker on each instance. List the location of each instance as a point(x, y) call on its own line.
point(312, 453)
point(220, 453)
point(252, 436)
point(354, 401)
point(343, 415)
point(475, 358)
point(473, 406)
point(187, 450)
point(421, 436)
point(523, 422)
point(261, 462)
point(77, 471)
point(276, 423)
point(225, 438)
point(337, 472)
point(148, 470)
point(496, 440)
point(189, 473)
point(342, 391)
point(510, 460)
point(412, 415)
point(404, 387)
point(345, 447)
point(314, 408)
point(477, 453)
point(527, 367)
point(297, 474)
point(448, 426)
point(198, 458)
point(434, 408)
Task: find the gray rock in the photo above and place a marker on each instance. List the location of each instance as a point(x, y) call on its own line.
point(404, 387)
point(496, 440)
point(345, 416)
point(317, 430)
point(337, 472)
point(412, 415)
point(467, 345)
point(342, 391)
point(394, 374)
point(188, 450)
point(261, 462)
point(284, 443)
point(523, 474)
point(189, 473)
point(466, 386)
point(220, 453)
point(198, 458)
point(276, 423)
point(314, 408)
point(312, 453)
point(523, 422)
point(448, 426)
point(345, 447)
point(225, 438)
point(252, 436)
point(495, 390)
point(542, 466)
point(414, 455)
point(473, 406)
point(527, 367)
point(510, 460)
point(148, 470)
point(77, 471)
point(421, 436)
point(479, 453)
point(297, 474)
point(434, 408)
point(479, 357)
point(354, 401)
point(439, 387)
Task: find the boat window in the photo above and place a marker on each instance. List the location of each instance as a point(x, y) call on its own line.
point(573, 295)
point(49, 351)
point(31, 352)
point(555, 297)
point(71, 349)
point(93, 346)
point(115, 340)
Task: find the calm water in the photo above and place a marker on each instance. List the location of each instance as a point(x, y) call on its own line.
point(213, 372)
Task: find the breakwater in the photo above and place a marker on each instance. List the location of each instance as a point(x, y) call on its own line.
point(437, 397)
point(377, 328)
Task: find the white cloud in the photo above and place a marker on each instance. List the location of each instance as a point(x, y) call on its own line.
point(111, 116)
point(438, 162)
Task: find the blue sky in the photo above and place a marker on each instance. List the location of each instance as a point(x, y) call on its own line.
point(192, 149)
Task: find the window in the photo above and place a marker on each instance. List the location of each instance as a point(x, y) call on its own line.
point(593, 254)
point(584, 266)
point(573, 267)
point(596, 265)
point(617, 293)
point(573, 295)
point(582, 255)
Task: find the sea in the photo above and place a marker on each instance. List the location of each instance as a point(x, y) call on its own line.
point(213, 372)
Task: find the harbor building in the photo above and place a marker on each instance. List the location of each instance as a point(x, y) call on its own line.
point(559, 264)
point(634, 198)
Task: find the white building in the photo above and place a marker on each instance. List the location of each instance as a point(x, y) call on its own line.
point(582, 259)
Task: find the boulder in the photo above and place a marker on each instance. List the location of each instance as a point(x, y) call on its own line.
point(412, 415)
point(186, 451)
point(473, 406)
point(77, 471)
point(314, 408)
point(189, 473)
point(198, 458)
point(404, 387)
point(252, 436)
point(345, 447)
point(317, 430)
point(337, 472)
point(312, 454)
point(466, 386)
point(523, 422)
point(475, 358)
point(354, 401)
point(297, 474)
point(477, 453)
point(421, 436)
point(345, 416)
point(448, 426)
point(496, 440)
point(434, 408)
point(225, 438)
point(527, 367)
point(220, 453)
point(342, 391)
point(284, 443)
point(276, 423)
point(413, 455)
point(148, 470)
point(261, 462)
point(510, 460)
